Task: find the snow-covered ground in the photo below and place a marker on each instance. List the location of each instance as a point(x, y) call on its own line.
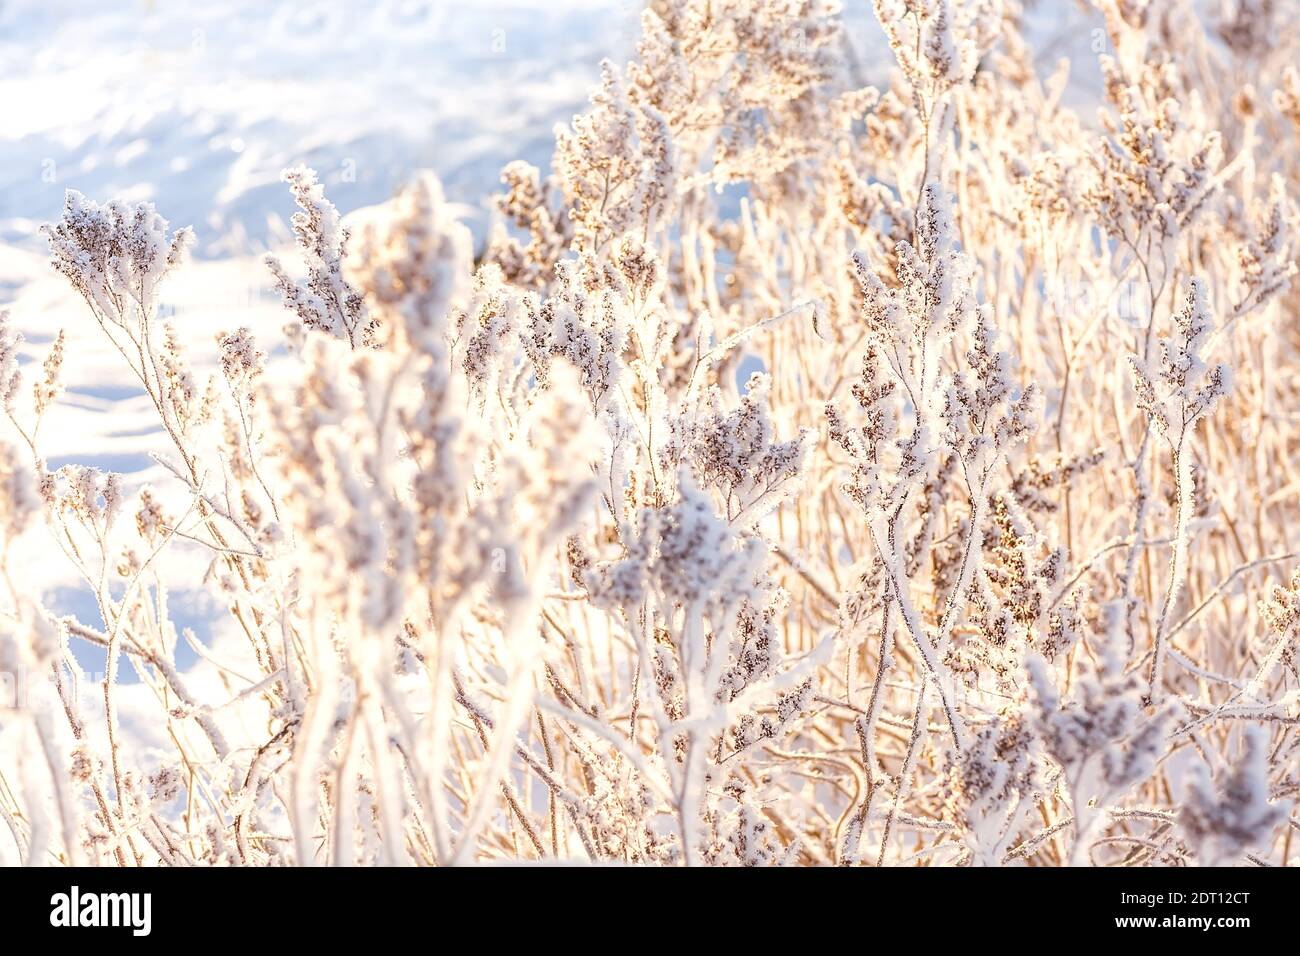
point(198, 106)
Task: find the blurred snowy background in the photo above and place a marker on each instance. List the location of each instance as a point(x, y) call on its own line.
point(198, 106)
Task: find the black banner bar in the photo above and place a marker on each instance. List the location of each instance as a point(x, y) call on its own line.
point(140, 906)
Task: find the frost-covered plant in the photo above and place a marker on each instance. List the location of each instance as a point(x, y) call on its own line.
point(1221, 823)
point(803, 473)
point(1176, 396)
point(324, 300)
